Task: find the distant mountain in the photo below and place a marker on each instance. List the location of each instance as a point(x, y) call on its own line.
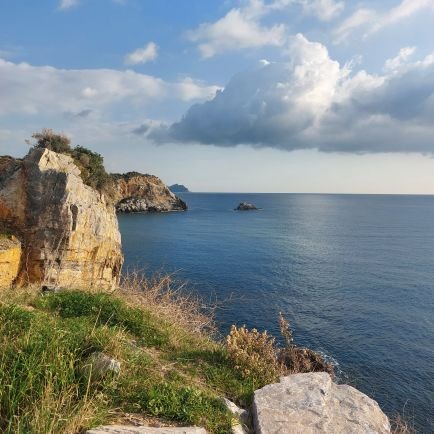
point(178, 188)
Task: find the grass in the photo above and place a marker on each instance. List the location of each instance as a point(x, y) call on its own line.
point(172, 368)
point(169, 369)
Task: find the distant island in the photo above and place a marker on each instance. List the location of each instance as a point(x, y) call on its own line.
point(179, 188)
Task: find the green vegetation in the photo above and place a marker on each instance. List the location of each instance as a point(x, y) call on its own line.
point(171, 368)
point(167, 370)
point(91, 164)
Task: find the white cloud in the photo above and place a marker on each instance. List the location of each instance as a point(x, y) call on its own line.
point(234, 31)
point(142, 55)
point(396, 63)
point(325, 10)
point(242, 27)
point(67, 4)
point(35, 90)
point(372, 21)
point(311, 101)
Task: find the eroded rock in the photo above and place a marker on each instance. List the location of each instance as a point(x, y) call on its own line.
point(145, 193)
point(313, 404)
point(10, 259)
point(69, 231)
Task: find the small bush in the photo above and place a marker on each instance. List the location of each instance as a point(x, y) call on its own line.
point(254, 355)
point(91, 164)
point(48, 139)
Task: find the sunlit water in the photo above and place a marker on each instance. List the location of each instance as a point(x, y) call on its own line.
point(353, 274)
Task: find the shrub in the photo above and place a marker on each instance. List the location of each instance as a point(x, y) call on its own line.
point(48, 139)
point(91, 164)
point(92, 169)
point(254, 355)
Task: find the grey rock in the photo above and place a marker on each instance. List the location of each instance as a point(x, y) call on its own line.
point(241, 416)
point(100, 364)
point(313, 404)
point(120, 429)
point(246, 206)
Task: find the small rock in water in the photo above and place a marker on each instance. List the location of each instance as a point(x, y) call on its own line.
point(246, 206)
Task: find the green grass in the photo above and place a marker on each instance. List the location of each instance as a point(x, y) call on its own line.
point(167, 371)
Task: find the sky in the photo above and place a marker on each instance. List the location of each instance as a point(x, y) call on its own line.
point(315, 96)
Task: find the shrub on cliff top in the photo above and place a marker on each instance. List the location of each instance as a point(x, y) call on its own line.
point(91, 164)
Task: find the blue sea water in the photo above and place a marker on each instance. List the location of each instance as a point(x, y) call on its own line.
point(354, 275)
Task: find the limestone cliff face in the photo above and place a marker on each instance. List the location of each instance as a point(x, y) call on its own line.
point(145, 193)
point(69, 231)
point(10, 260)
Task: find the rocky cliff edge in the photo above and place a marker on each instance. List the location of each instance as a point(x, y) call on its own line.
point(68, 231)
point(136, 192)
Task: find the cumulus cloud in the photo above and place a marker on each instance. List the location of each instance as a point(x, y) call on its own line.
point(370, 21)
point(142, 55)
point(236, 30)
point(243, 28)
point(311, 101)
point(28, 89)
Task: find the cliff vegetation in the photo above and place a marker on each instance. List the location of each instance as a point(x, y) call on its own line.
point(91, 164)
point(172, 369)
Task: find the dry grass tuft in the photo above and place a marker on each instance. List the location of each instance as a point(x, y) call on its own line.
point(169, 300)
point(401, 426)
point(298, 360)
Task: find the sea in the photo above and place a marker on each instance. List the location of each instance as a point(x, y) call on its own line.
point(353, 274)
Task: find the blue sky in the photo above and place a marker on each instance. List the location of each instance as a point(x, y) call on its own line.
point(236, 95)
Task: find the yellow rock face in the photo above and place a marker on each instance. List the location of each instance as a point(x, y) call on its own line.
point(10, 258)
point(69, 231)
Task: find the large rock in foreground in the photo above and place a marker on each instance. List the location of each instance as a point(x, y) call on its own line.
point(145, 193)
point(313, 404)
point(69, 231)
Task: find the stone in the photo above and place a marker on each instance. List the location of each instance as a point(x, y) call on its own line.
point(100, 364)
point(241, 416)
point(312, 404)
point(69, 231)
point(10, 259)
point(246, 206)
point(121, 429)
point(144, 193)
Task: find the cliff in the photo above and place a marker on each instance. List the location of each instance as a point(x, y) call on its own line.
point(10, 259)
point(69, 231)
point(136, 192)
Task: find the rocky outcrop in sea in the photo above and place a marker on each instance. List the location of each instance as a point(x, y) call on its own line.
point(68, 231)
point(136, 192)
